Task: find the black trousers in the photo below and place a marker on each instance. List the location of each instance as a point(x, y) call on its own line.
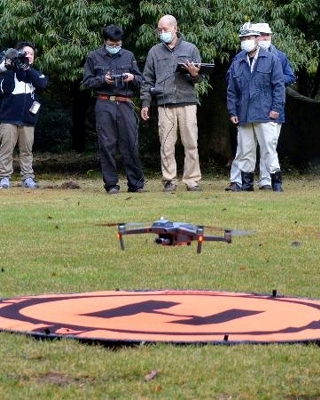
point(117, 130)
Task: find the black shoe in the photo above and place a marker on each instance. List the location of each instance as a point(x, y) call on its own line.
point(233, 187)
point(276, 181)
point(169, 187)
point(113, 190)
point(265, 187)
point(135, 190)
point(247, 181)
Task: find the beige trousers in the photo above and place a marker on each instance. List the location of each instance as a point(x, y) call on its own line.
point(9, 136)
point(184, 119)
point(266, 134)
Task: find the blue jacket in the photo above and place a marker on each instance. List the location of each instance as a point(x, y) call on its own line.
point(19, 90)
point(251, 96)
point(288, 74)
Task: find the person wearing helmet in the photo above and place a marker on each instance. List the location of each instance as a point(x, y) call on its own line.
point(264, 181)
point(255, 99)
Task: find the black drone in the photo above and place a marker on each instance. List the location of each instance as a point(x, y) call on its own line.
point(173, 233)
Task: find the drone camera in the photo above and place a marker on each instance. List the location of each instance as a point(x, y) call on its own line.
point(162, 241)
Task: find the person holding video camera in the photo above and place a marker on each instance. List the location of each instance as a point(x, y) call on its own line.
point(176, 100)
point(19, 87)
point(112, 72)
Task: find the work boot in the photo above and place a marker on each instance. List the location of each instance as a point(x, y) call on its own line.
point(276, 181)
point(247, 181)
point(233, 187)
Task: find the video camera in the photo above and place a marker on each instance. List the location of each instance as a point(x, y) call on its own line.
point(117, 78)
point(15, 59)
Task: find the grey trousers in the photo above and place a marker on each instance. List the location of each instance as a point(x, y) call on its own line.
point(10, 135)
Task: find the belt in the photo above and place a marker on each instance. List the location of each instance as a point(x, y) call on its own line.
point(112, 98)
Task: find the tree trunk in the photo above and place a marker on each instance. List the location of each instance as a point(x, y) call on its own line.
point(300, 139)
point(81, 101)
point(215, 133)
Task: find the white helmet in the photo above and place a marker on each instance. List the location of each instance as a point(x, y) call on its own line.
point(248, 29)
point(262, 27)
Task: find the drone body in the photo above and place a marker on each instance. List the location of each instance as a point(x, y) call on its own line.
point(172, 233)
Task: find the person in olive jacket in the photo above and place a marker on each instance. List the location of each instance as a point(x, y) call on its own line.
point(176, 100)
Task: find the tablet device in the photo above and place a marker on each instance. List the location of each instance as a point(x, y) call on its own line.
point(205, 68)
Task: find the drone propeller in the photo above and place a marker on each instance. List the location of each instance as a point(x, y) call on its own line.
point(239, 232)
point(108, 224)
point(234, 232)
point(129, 225)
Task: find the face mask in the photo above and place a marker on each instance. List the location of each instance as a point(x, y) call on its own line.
point(113, 49)
point(166, 37)
point(248, 45)
point(265, 44)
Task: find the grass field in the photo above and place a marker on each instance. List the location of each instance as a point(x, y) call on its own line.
point(51, 242)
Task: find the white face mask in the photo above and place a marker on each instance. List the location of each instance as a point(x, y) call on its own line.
point(265, 44)
point(113, 49)
point(248, 45)
point(166, 37)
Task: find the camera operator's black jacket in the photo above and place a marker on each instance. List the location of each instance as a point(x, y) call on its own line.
point(19, 90)
point(99, 62)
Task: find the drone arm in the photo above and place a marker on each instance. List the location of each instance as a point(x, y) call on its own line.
point(225, 238)
point(135, 231)
point(123, 231)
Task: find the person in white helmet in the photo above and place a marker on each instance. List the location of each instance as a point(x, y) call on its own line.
point(264, 41)
point(255, 99)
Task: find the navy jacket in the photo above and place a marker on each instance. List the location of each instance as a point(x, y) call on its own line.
point(288, 74)
point(19, 90)
point(251, 96)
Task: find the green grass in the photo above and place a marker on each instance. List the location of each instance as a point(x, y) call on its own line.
point(51, 242)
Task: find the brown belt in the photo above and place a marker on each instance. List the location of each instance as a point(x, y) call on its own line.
point(112, 98)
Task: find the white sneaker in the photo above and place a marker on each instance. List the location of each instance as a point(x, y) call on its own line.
point(29, 183)
point(4, 183)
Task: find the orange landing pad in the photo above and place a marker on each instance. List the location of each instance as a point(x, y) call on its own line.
point(173, 316)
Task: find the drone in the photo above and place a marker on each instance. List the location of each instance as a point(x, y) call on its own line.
point(172, 233)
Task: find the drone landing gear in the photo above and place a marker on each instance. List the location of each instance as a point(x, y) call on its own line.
point(121, 231)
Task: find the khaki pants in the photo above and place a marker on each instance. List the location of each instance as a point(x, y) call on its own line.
point(264, 176)
point(170, 120)
point(9, 136)
point(266, 134)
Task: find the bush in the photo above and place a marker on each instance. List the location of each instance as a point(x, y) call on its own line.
point(52, 132)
